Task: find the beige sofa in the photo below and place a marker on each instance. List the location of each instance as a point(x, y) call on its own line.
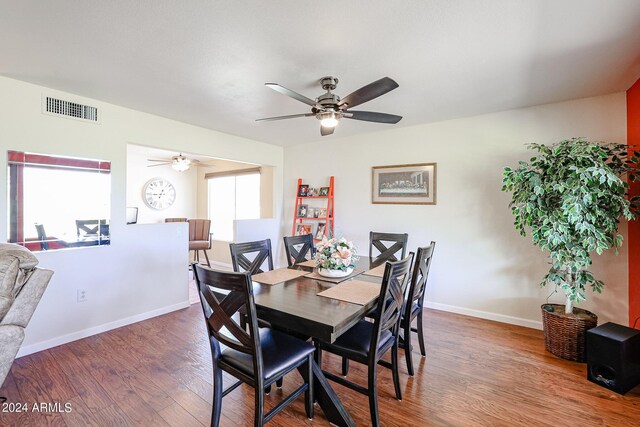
point(21, 287)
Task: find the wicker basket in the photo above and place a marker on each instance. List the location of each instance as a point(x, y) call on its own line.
point(565, 334)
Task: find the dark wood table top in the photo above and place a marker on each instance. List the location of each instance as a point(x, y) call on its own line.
point(295, 306)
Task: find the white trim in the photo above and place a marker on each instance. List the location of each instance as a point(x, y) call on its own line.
point(485, 315)
point(64, 339)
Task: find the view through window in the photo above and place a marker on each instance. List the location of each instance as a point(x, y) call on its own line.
point(232, 196)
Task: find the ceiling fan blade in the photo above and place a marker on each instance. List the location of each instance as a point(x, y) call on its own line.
point(368, 92)
point(292, 116)
point(295, 95)
point(370, 116)
point(159, 164)
point(326, 130)
point(158, 160)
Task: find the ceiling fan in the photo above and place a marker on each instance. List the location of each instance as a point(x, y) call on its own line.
point(179, 163)
point(329, 108)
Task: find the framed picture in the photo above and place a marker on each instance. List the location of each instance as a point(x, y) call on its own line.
point(311, 213)
point(324, 191)
point(302, 229)
point(302, 211)
point(404, 184)
point(322, 213)
point(303, 190)
point(320, 231)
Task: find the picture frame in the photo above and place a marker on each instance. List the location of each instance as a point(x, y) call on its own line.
point(322, 213)
point(411, 184)
point(324, 191)
point(302, 211)
point(320, 231)
point(303, 190)
point(302, 229)
point(311, 212)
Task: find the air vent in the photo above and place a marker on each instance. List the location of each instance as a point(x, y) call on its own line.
point(75, 110)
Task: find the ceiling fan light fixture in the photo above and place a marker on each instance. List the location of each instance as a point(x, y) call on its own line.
point(329, 120)
point(180, 163)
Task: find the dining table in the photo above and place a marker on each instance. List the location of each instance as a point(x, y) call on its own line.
point(295, 307)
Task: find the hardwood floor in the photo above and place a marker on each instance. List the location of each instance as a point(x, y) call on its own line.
point(158, 373)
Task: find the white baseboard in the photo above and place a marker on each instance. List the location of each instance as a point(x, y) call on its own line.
point(64, 339)
point(485, 315)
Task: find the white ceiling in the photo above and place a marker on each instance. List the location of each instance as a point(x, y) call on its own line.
point(205, 62)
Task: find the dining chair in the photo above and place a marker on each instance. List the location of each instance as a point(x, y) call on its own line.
point(414, 302)
point(42, 236)
point(199, 238)
point(175, 220)
point(366, 342)
point(260, 251)
point(388, 245)
point(298, 247)
point(257, 357)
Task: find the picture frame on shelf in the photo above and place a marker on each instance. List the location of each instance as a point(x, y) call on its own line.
point(302, 229)
point(412, 184)
point(316, 212)
point(320, 231)
point(302, 211)
point(322, 213)
point(312, 192)
point(324, 191)
point(303, 190)
point(311, 213)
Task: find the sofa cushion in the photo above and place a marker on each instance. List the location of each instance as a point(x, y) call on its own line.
point(8, 276)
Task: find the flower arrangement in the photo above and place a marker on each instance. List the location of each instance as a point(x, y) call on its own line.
point(335, 254)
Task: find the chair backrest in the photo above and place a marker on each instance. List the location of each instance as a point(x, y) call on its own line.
point(298, 247)
point(262, 251)
point(418, 285)
point(222, 295)
point(391, 300)
point(388, 245)
point(175, 220)
point(42, 236)
point(89, 226)
point(199, 229)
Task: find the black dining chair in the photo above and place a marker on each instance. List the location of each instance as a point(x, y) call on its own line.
point(257, 357)
point(387, 245)
point(260, 251)
point(414, 302)
point(42, 236)
point(366, 342)
point(299, 248)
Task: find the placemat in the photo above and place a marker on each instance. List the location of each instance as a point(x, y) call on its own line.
point(354, 291)
point(278, 275)
point(377, 272)
point(308, 263)
point(316, 276)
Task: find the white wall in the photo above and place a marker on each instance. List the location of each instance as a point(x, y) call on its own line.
point(138, 174)
point(143, 272)
point(482, 266)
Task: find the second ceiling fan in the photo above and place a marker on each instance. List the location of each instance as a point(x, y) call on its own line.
point(330, 109)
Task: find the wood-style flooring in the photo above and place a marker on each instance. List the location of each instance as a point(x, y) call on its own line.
point(158, 373)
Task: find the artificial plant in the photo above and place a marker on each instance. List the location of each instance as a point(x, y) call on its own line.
point(571, 197)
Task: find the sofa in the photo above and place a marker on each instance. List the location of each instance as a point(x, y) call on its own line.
point(21, 287)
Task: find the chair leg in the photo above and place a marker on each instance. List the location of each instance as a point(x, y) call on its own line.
point(267, 390)
point(258, 420)
point(216, 408)
point(373, 396)
point(317, 355)
point(394, 369)
point(279, 382)
point(407, 348)
point(206, 257)
point(421, 334)
point(308, 401)
point(345, 366)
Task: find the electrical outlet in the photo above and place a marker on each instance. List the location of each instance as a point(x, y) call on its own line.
point(82, 295)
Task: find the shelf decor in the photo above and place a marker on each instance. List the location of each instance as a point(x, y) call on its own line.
point(404, 184)
point(314, 205)
point(335, 257)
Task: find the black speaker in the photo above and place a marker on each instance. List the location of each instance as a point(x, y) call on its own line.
point(613, 357)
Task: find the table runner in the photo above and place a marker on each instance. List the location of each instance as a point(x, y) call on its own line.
point(377, 272)
point(278, 275)
point(316, 276)
point(354, 291)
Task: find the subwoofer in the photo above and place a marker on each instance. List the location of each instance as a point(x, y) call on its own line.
point(613, 357)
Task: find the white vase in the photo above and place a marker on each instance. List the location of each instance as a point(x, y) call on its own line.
point(335, 273)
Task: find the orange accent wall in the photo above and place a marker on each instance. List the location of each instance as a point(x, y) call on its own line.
point(633, 138)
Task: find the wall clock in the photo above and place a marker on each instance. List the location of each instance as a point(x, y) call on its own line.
point(159, 193)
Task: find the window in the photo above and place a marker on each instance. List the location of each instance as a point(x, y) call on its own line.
point(232, 195)
point(58, 202)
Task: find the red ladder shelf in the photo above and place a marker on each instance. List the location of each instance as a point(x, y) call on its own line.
point(327, 219)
